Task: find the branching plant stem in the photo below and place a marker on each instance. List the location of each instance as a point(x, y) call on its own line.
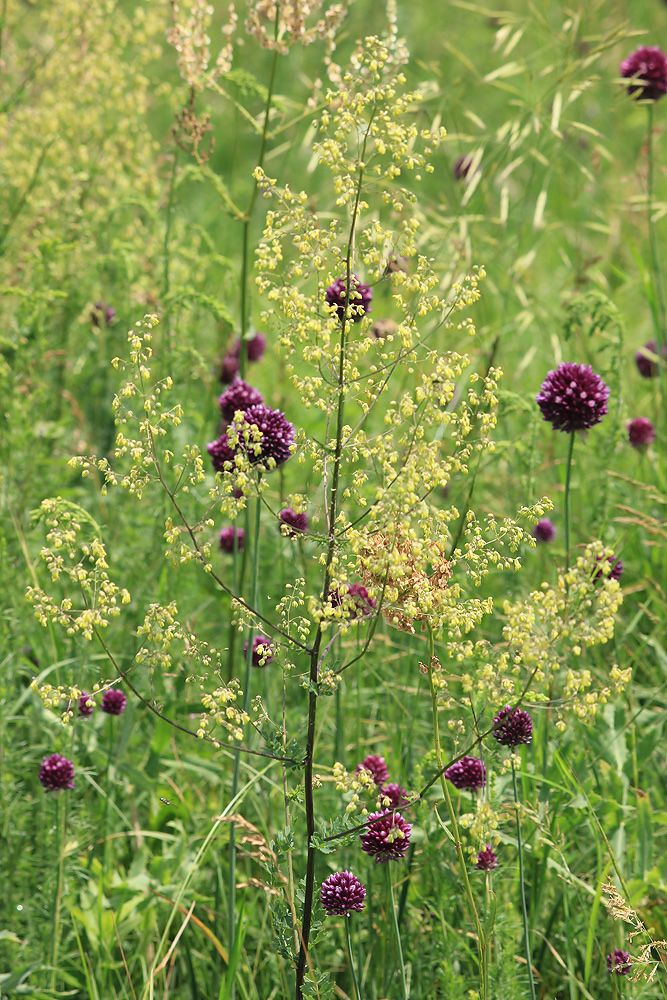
point(568, 474)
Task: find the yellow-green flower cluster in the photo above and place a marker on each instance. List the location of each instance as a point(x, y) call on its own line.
point(221, 710)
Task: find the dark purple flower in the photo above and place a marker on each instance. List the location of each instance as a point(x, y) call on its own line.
point(254, 346)
point(342, 893)
point(512, 726)
point(387, 837)
point(647, 67)
point(86, 704)
point(376, 766)
point(544, 530)
point(114, 702)
point(273, 448)
point(292, 523)
point(647, 366)
point(262, 651)
point(614, 573)
point(239, 396)
point(359, 302)
point(573, 398)
point(462, 166)
point(619, 962)
point(641, 432)
point(353, 599)
point(227, 539)
point(487, 859)
point(469, 772)
point(101, 311)
point(393, 795)
point(229, 368)
point(56, 773)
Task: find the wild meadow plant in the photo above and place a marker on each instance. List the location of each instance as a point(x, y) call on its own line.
point(339, 631)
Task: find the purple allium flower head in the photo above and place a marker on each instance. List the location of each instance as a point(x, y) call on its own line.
point(462, 166)
point(647, 366)
point(487, 859)
point(276, 442)
point(469, 772)
point(102, 311)
point(293, 524)
point(641, 432)
point(239, 396)
point(647, 66)
point(261, 657)
point(254, 346)
point(361, 297)
point(512, 727)
point(619, 962)
point(342, 893)
point(544, 530)
point(354, 600)
point(573, 398)
point(114, 701)
point(615, 571)
point(229, 368)
point(227, 539)
point(393, 795)
point(376, 766)
point(56, 773)
point(387, 837)
point(86, 704)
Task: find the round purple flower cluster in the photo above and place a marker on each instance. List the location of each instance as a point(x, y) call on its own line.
point(255, 347)
point(293, 524)
point(393, 796)
point(619, 962)
point(544, 530)
point(573, 398)
point(377, 767)
point(86, 704)
point(354, 600)
point(487, 859)
point(614, 573)
point(387, 837)
point(647, 68)
point(56, 773)
point(512, 726)
point(114, 702)
point(262, 651)
point(238, 396)
point(341, 893)
point(227, 539)
point(647, 359)
point(641, 432)
point(469, 772)
point(275, 447)
point(360, 299)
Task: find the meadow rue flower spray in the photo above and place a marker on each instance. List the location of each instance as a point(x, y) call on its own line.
point(353, 600)
point(646, 67)
point(56, 773)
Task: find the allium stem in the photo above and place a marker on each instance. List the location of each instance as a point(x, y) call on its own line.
point(458, 847)
point(237, 755)
point(349, 953)
point(568, 473)
point(524, 908)
point(397, 932)
point(61, 838)
point(658, 305)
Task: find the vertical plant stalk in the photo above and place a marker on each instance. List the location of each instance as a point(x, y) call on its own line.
point(568, 475)
point(458, 847)
point(331, 548)
point(524, 908)
point(237, 755)
point(397, 933)
point(349, 955)
point(658, 305)
point(61, 837)
point(107, 803)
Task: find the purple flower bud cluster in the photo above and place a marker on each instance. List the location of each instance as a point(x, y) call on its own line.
point(646, 67)
point(647, 359)
point(227, 539)
point(376, 766)
point(342, 893)
point(238, 396)
point(262, 651)
point(276, 443)
point(468, 773)
point(512, 726)
point(86, 705)
point(487, 859)
point(614, 573)
point(573, 398)
point(255, 347)
point(353, 599)
point(544, 531)
point(291, 523)
point(114, 702)
point(387, 836)
point(56, 773)
point(641, 432)
point(619, 962)
point(359, 302)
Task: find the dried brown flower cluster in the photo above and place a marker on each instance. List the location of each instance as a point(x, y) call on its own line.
point(394, 564)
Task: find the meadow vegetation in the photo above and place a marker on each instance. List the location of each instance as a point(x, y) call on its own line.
point(333, 361)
